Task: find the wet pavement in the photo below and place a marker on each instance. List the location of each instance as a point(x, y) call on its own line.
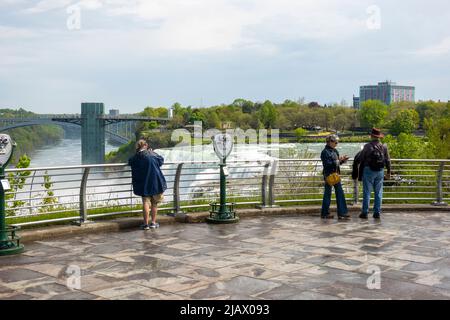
point(405, 256)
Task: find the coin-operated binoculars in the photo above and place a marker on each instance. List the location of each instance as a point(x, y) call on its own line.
point(9, 241)
point(222, 212)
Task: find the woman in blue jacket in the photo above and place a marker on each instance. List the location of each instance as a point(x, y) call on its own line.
point(331, 162)
point(148, 180)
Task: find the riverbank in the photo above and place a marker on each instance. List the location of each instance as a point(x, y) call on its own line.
point(30, 139)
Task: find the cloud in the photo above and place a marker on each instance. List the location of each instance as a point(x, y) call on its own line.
point(440, 49)
point(4, 3)
point(48, 5)
point(197, 25)
point(222, 24)
point(217, 49)
point(14, 33)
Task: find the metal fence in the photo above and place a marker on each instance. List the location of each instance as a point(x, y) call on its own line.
point(80, 193)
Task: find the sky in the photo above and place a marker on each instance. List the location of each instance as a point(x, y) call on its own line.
point(129, 54)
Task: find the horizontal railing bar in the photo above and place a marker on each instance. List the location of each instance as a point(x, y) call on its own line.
point(228, 197)
point(228, 179)
point(106, 192)
point(108, 185)
point(118, 165)
point(32, 223)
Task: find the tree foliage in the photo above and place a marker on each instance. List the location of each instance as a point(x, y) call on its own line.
point(406, 146)
point(373, 113)
point(17, 181)
point(406, 121)
point(49, 200)
point(438, 133)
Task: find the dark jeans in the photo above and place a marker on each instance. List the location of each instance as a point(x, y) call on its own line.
point(340, 200)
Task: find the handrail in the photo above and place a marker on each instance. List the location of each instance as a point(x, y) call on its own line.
point(264, 182)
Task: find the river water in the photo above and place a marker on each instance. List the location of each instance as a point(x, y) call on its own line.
point(67, 152)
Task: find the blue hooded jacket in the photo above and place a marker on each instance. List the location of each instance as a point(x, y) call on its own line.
point(147, 178)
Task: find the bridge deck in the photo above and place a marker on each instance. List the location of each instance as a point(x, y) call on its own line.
point(260, 258)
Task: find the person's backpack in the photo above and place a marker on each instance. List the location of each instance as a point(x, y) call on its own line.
point(376, 158)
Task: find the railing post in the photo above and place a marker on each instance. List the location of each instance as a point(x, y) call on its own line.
point(439, 194)
point(179, 214)
point(31, 190)
point(264, 187)
point(83, 199)
point(273, 173)
point(355, 192)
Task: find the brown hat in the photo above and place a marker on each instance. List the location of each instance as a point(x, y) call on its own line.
point(376, 133)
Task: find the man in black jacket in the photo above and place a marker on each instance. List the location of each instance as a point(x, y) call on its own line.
point(373, 159)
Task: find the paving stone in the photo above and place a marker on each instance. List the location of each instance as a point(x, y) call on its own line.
point(238, 286)
point(279, 293)
point(74, 295)
point(308, 295)
point(349, 291)
point(19, 274)
point(119, 291)
point(285, 257)
point(46, 291)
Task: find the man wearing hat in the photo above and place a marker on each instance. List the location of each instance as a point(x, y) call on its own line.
point(373, 159)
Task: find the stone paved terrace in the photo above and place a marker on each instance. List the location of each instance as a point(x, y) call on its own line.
point(285, 257)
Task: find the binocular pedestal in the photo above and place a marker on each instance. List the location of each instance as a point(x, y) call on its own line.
point(9, 241)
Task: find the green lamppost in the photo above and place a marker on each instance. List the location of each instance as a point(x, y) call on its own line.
point(222, 212)
point(9, 241)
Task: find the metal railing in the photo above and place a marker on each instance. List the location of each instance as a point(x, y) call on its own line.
point(80, 193)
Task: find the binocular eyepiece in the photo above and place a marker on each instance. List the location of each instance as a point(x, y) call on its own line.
point(3, 140)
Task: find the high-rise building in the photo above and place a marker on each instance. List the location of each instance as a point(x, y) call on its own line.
point(114, 112)
point(356, 103)
point(387, 92)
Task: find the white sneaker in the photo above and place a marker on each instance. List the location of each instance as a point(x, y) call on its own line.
point(154, 225)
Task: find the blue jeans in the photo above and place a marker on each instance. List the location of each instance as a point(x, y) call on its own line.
point(372, 180)
point(340, 200)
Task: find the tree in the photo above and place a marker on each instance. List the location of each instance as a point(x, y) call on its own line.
point(17, 182)
point(212, 120)
point(177, 108)
point(314, 105)
point(438, 133)
point(373, 113)
point(246, 106)
point(406, 146)
point(49, 199)
point(268, 114)
point(406, 121)
point(300, 132)
point(341, 122)
point(198, 115)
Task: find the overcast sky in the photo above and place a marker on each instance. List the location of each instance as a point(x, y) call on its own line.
point(55, 54)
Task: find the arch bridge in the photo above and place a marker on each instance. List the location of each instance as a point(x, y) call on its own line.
point(94, 126)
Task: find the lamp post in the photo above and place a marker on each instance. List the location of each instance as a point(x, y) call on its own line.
point(9, 241)
point(222, 212)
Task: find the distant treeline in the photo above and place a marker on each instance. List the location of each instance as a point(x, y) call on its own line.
point(28, 139)
point(400, 120)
